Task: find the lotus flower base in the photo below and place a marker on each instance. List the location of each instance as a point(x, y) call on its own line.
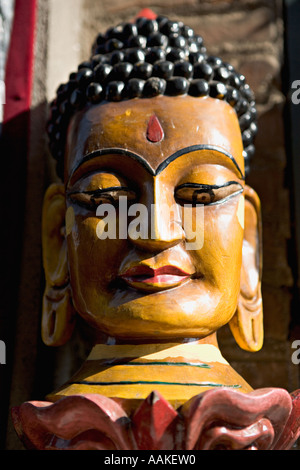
point(265, 419)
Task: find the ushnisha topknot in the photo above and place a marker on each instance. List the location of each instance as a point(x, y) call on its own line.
point(144, 59)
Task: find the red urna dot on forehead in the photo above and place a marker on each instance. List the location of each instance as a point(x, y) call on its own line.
point(155, 131)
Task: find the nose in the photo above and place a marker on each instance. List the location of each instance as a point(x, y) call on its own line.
point(163, 228)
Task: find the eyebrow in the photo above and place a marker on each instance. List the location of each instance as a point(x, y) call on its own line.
point(165, 163)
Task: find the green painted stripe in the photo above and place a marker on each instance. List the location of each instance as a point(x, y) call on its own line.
point(155, 382)
point(190, 364)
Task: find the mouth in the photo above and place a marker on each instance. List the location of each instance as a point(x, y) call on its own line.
point(149, 279)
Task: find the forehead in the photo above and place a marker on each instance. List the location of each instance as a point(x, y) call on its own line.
point(186, 122)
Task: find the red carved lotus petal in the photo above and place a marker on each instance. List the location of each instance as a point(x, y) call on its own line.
point(231, 410)
point(215, 419)
point(75, 422)
point(259, 435)
point(292, 429)
point(154, 424)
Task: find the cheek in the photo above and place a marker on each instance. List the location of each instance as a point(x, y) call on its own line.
point(93, 261)
point(220, 257)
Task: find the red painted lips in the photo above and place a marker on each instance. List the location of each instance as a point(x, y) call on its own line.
point(147, 278)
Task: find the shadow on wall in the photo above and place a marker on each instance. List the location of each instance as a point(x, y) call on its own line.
point(32, 369)
point(21, 189)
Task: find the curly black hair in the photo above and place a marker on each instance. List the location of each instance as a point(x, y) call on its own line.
point(144, 59)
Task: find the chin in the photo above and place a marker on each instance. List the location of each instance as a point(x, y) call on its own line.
point(148, 320)
point(164, 315)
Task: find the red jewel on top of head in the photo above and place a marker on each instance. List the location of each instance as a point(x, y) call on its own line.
point(155, 131)
point(147, 13)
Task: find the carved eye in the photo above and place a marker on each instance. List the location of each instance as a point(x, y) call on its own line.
point(92, 199)
point(193, 193)
point(203, 196)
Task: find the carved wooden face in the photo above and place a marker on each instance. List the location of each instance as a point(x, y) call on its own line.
point(177, 163)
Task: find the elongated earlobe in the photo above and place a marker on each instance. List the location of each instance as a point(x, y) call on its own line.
point(247, 322)
point(58, 316)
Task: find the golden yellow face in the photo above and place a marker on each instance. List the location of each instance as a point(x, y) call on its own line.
point(155, 226)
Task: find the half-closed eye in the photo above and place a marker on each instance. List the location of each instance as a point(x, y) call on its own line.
point(193, 193)
point(92, 199)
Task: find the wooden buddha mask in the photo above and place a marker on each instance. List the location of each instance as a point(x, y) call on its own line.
point(179, 254)
point(214, 279)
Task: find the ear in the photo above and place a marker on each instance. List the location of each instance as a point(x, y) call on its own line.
point(247, 323)
point(58, 313)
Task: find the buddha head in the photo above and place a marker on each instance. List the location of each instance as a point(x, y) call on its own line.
point(153, 233)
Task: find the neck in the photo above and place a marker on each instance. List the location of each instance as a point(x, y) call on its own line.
point(129, 371)
point(111, 340)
